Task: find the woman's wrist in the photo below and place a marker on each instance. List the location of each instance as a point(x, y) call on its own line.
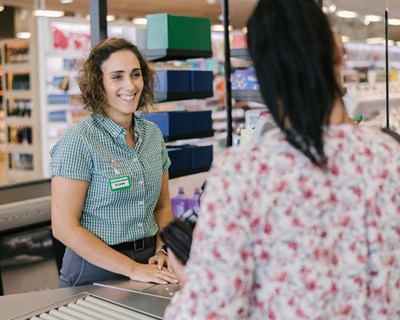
point(162, 249)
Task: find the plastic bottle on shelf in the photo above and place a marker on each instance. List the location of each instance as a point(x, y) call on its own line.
point(179, 203)
point(194, 201)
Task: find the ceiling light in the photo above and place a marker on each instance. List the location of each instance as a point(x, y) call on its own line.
point(66, 1)
point(329, 9)
point(217, 27)
point(48, 13)
point(140, 21)
point(110, 17)
point(1, 8)
point(373, 18)
point(23, 35)
point(220, 27)
point(377, 40)
point(332, 8)
point(394, 22)
point(345, 39)
point(347, 14)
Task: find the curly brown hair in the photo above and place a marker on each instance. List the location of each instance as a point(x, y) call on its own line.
point(90, 78)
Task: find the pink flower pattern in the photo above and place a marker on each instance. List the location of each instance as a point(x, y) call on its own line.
point(277, 238)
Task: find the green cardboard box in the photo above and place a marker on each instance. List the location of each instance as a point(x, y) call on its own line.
point(166, 31)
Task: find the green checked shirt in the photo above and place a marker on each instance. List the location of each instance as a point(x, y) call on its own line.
point(95, 150)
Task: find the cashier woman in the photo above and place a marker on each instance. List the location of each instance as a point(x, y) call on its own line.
point(110, 192)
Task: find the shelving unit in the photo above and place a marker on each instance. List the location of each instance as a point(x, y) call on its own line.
point(167, 55)
point(21, 109)
point(175, 54)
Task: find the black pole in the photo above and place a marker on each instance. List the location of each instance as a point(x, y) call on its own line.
point(387, 67)
point(98, 21)
point(228, 90)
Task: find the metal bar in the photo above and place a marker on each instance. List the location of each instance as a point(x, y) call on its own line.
point(98, 21)
point(387, 67)
point(228, 89)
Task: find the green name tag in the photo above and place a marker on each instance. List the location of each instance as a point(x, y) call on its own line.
point(120, 183)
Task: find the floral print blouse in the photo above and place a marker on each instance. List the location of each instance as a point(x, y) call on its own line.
point(277, 238)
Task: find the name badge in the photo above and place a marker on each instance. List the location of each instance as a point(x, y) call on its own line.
point(120, 183)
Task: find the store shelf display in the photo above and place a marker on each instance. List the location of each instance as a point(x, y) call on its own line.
point(20, 103)
point(172, 38)
point(364, 77)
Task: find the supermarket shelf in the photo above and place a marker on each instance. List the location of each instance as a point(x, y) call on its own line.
point(175, 54)
point(248, 95)
point(183, 173)
point(193, 135)
point(19, 121)
point(17, 67)
point(240, 54)
point(21, 176)
point(20, 148)
point(18, 94)
point(175, 96)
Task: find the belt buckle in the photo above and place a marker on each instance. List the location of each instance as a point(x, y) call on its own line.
point(138, 245)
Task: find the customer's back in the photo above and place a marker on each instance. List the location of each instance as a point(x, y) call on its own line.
point(320, 244)
point(305, 222)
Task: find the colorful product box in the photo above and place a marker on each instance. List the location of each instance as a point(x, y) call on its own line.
point(244, 80)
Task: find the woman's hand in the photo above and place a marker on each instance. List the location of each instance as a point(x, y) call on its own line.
point(152, 273)
point(161, 260)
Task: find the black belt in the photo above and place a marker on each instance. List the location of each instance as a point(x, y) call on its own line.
point(136, 245)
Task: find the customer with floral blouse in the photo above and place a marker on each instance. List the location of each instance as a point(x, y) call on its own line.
point(304, 223)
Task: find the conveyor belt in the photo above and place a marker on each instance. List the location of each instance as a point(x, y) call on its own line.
point(112, 300)
point(90, 308)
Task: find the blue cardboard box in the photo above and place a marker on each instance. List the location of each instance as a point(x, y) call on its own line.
point(171, 124)
point(180, 160)
point(201, 157)
point(173, 81)
point(201, 81)
point(202, 121)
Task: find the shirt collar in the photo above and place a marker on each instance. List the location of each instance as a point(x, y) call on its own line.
point(115, 129)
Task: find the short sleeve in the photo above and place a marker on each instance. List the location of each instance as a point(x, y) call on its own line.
point(166, 162)
point(71, 158)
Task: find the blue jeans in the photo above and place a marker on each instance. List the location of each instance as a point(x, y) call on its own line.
point(76, 271)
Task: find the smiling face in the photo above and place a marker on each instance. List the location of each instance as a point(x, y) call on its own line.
point(123, 85)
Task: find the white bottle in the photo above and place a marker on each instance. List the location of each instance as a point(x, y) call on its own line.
point(179, 203)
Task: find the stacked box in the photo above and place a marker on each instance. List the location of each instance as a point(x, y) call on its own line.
point(166, 31)
point(173, 81)
point(181, 123)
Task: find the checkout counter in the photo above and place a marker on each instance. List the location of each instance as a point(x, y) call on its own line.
point(25, 232)
point(123, 299)
point(25, 222)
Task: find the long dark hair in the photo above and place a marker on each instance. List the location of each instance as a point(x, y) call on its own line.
point(93, 95)
point(293, 51)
